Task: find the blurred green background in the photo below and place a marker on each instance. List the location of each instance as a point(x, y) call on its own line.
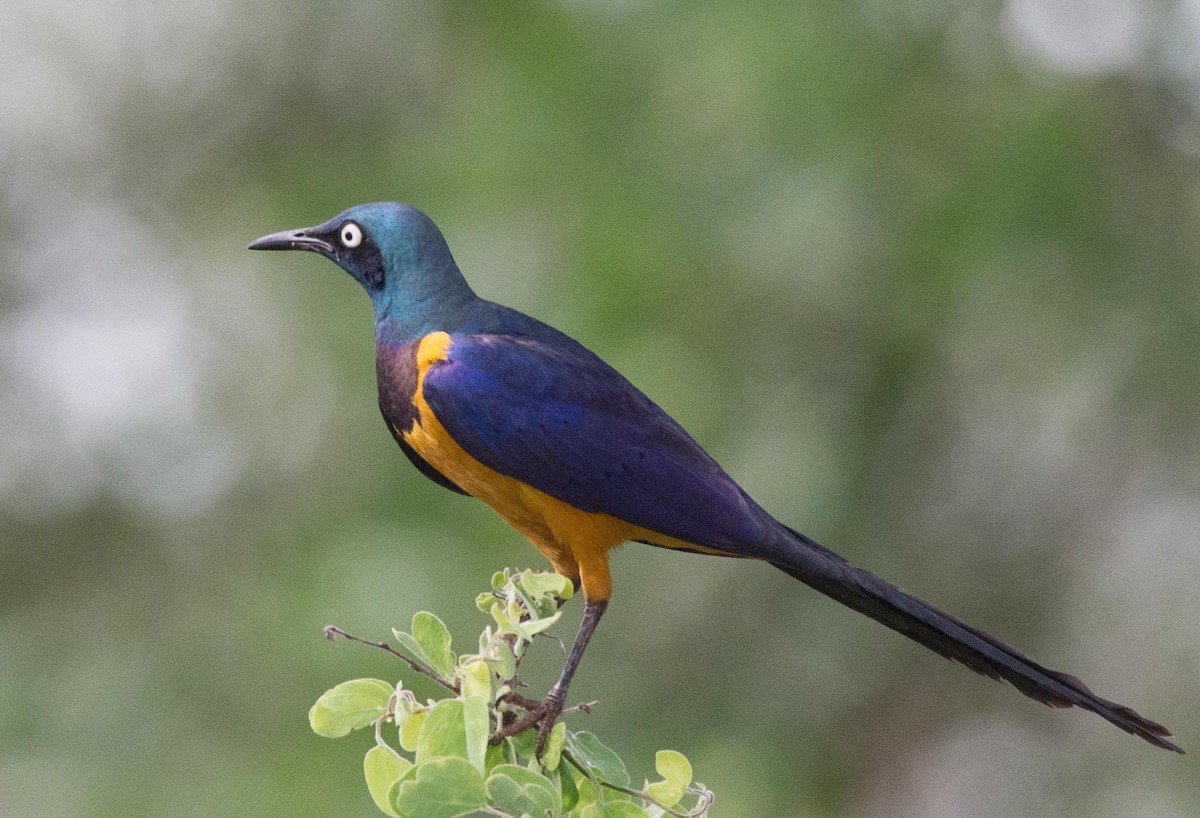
point(921, 275)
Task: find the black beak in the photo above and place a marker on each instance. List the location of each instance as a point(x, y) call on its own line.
point(292, 240)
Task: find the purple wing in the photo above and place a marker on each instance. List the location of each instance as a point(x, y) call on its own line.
point(558, 418)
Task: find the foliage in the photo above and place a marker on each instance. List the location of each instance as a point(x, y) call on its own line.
point(438, 759)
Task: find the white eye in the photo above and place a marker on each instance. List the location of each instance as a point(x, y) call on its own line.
point(351, 234)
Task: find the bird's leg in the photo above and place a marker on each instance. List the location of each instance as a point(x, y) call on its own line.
point(557, 697)
point(546, 712)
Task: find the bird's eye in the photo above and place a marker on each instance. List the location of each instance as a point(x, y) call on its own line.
point(351, 234)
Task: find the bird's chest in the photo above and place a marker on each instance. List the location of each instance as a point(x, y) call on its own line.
point(398, 375)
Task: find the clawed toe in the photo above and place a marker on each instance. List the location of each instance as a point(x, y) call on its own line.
point(542, 714)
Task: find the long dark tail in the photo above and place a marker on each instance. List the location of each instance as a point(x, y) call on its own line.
point(829, 573)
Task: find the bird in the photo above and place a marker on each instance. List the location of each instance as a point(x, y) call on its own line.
point(492, 403)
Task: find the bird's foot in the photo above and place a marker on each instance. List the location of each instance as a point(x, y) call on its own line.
point(542, 714)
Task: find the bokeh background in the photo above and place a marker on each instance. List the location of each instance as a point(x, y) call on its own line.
point(922, 275)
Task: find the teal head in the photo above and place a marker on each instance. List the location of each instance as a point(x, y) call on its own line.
point(396, 253)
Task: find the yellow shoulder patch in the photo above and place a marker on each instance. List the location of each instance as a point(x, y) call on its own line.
point(434, 347)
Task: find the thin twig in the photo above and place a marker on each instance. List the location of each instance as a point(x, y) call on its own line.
point(332, 632)
point(513, 697)
point(705, 796)
point(388, 713)
point(562, 646)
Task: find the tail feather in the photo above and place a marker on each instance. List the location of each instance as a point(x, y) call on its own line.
point(939, 631)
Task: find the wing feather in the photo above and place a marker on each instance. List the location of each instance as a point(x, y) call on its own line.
point(563, 421)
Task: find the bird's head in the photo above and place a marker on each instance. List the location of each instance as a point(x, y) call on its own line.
point(393, 250)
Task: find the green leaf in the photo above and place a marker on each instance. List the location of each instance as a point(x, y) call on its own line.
point(540, 592)
point(476, 730)
point(476, 679)
point(546, 584)
point(503, 623)
point(433, 637)
point(438, 788)
point(588, 751)
point(410, 731)
point(676, 771)
point(613, 809)
point(443, 733)
point(498, 754)
point(570, 793)
point(552, 753)
point(524, 744)
point(533, 627)
point(674, 767)
point(349, 706)
point(585, 794)
point(664, 792)
point(412, 647)
point(516, 790)
point(383, 767)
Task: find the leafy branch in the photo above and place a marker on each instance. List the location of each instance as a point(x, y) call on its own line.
point(446, 759)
